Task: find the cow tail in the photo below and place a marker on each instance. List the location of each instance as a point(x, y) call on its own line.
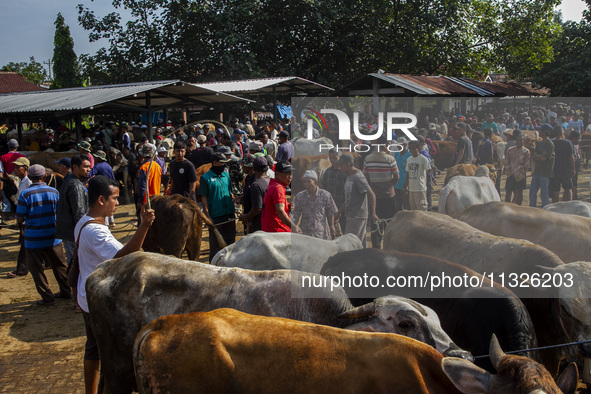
point(445, 192)
point(212, 227)
point(136, 351)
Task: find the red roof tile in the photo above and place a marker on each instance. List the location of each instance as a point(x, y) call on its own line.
point(11, 82)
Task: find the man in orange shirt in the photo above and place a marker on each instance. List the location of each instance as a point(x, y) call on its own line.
point(151, 174)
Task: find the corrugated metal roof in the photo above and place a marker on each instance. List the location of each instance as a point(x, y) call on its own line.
point(507, 89)
point(265, 85)
point(468, 83)
point(112, 97)
point(407, 83)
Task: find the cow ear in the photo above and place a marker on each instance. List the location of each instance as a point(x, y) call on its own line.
point(467, 377)
point(568, 379)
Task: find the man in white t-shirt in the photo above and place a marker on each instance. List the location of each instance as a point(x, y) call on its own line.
point(416, 181)
point(96, 245)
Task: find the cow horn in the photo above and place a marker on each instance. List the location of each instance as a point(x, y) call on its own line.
point(495, 352)
point(543, 269)
point(361, 311)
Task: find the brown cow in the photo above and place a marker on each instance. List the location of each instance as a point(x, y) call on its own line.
point(225, 351)
point(445, 152)
point(177, 227)
point(468, 170)
point(200, 171)
point(48, 159)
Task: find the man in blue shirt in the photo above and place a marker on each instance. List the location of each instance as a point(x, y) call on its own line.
point(37, 207)
point(285, 150)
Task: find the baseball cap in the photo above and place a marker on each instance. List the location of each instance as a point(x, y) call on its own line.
point(22, 161)
point(161, 149)
point(201, 138)
point(220, 131)
point(36, 170)
point(12, 143)
point(217, 156)
point(283, 166)
point(346, 158)
point(238, 131)
point(65, 162)
point(284, 134)
point(225, 150)
point(260, 163)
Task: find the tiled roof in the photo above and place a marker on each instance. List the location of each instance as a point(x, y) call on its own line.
point(11, 82)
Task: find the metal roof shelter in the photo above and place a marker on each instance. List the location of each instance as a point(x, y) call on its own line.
point(268, 86)
point(145, 97)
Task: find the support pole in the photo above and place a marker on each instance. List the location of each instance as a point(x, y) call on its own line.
point(19, 128)
point(149, 115)
point(78, 127)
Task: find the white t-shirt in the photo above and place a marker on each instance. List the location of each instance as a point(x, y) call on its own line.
point(97, 244)
point(416, 168)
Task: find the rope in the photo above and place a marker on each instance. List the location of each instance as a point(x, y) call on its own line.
point(380, 226)
point(540, 348)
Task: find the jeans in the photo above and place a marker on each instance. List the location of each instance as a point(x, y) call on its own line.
point(541, 183)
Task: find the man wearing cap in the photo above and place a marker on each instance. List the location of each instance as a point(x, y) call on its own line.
point(21, 170)
point(64, 167)
point(85, 148)
point(358, 194)
point(182, 173)
point(543, 164)
point(161, 160)
point(217, 201)
point(285, 149)
point(9, 158)
point(275, 215)
point(234, 170)
point(254, 194)
point(37, 208)
point(239, 140)
point(149, 177)
point(202, 154)
point(73, 203)
point(316, 209)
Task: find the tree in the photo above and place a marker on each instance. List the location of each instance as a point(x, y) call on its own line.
point(65, 64)
point(32, 71)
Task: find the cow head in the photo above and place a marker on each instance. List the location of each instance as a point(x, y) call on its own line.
point(515, 374)
point(406, 317)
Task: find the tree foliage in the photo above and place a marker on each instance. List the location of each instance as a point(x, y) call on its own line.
point(32, 71)
point(328, 41)
point(65, 63)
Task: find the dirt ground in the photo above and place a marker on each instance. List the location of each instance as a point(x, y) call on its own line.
point(41, 348)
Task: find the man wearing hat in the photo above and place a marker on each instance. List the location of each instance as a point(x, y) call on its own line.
point(182, 173)
point(316, 209)
point(275, 215)
point(21, 170)
point(64, 167)
point(254, 194)
point(9, 158)
point(101, 166)
point(217, 202)
point(37, 208)
point(85, 148)
point(358, 194)
point(234, 170)
point(239, 136)
point(149, 177)
point(202, 154)
point(285, 149)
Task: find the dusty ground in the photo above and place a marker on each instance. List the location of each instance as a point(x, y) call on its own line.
point(41, 348)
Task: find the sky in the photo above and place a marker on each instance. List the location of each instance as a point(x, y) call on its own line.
point(28, 26)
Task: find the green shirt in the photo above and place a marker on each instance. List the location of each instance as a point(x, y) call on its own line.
point(544, 168)
point(218, 191)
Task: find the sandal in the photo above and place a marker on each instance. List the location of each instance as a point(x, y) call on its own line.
point(12, 275)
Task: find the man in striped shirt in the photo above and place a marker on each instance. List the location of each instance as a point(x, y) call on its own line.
point(381, 172)
point(37, 207)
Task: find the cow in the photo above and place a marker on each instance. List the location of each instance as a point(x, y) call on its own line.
point(301, 164)
point(225, 351)
point(119, 164)
point(462, 192)
point(492, 308)
point(200, 171)
point(469, 170)
point(177, 227)
point(127, 293)
point(446, 151)
point(579, 208)
point(49, 159)
point(455, 241)
point(270, 251)
point(316, 147)
point(565, 235)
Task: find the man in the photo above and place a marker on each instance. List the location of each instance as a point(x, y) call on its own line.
point(357, 195)
point(381, 172)
point(97, 244)
point(9, 158)
point(275, 215)
point(73, 203)
point(564, 166)
point(21, 171)
point(64, 167)
point(101, 167)
point(490, 122)
point(333, 181)
point(464, 152)
point(37, 207)
point(416, 180)
point(234, 170)
point(517, 163)
point(285, 149)
point(202, 154)
point(269, 146)
point(182, 173)
point(254, 195)
point(217, 201)
point(484, 153)
point(149, 177)
point(161, 160)
point(316, 209)
point(85, 148)
point(401, 198)
point(543, 163)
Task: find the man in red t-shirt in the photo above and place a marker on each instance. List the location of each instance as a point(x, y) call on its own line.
point(275, 214)
point(9, 158)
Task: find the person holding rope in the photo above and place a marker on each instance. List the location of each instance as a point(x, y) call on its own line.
point(218, 202)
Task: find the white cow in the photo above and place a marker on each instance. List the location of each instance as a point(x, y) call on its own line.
point(579, 208)
point(464, 191)
point(272, 251)
point(306, 147)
